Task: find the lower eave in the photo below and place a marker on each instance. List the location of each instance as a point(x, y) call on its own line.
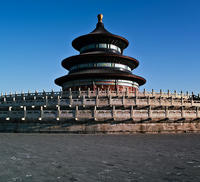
point(135, 78)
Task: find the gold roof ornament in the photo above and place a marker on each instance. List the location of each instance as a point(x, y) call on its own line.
point(100, 17)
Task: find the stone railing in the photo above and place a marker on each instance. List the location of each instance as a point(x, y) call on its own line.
point(78, 114)
point(90, 93)
point(99, 98)
point(98, 106)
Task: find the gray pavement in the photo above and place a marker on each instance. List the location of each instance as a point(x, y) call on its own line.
point(106, 158)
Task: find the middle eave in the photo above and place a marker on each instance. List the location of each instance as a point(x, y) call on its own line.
point(99, 57)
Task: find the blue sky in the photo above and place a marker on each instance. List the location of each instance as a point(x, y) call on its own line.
point(36, 35)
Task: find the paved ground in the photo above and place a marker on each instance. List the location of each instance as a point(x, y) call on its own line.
point(60, 157)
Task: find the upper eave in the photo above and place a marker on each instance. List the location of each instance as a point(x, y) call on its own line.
point(87, 39)
point(99, 35)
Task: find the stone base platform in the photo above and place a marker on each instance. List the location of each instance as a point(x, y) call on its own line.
point(108, 128)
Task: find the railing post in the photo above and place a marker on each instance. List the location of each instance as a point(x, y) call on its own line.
point(41, 113)
point(182, 112)
point(117, 91)
point(160, 92)
point(46, 100)
point(70, 92)
point(160, 100)
point(192, 101)
point(23, 96)
point(76, 113)
point(181, 100)
point(79, 92)
point(44, 93)
point(135, 98)
point(36, 93)
point(197, 112)
point(126, 93)
point(24, 118)
point(181, 93)
point(52, 92)
point(166, 112)
point(132, 113)
point(25, 112)
point(97, 100)
point(148, 100)
point(10, 108)
point(175, 93)
point(113, 113)
point(58, 113)
point(172, 100)
point(58, 98)
point(110, 100)
point(144, 92)
point(4, 99)
point(13, 98)
point(88, 92)
point(95, 113)
point(149, 112)
point(168, 93)
point(83, 101)
point(9, 113)
point(123, 100)
point(70, 101)
point(61, 93)
point(108, 92)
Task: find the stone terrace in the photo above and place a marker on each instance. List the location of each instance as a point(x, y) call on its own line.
point(102, 106)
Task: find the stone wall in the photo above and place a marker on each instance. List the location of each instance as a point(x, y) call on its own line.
point(90, 128)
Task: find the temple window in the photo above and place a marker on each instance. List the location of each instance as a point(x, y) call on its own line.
point(100, 46)
point(100, 65)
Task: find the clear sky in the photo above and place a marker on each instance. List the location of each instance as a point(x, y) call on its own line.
point(36, 35)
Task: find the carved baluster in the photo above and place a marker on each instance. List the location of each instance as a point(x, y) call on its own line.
point(197, 112)
point(76, 113)
point(97, 100)
point(95, 113)
point(149, 112)
point(132, 113)
point(166, 112)
point(58, 113)
point(113, 113)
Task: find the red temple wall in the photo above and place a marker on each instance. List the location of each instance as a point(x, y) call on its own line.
point(104, 87)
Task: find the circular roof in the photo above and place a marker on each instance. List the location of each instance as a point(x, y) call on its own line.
point(99, 35)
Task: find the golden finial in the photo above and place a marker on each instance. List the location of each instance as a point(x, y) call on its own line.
point(100, 17)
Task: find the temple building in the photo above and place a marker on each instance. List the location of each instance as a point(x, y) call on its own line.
point(100, 64)
point(100, 95)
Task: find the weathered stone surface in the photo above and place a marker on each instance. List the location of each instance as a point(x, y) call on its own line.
point(101, 128)
point(99, 158)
